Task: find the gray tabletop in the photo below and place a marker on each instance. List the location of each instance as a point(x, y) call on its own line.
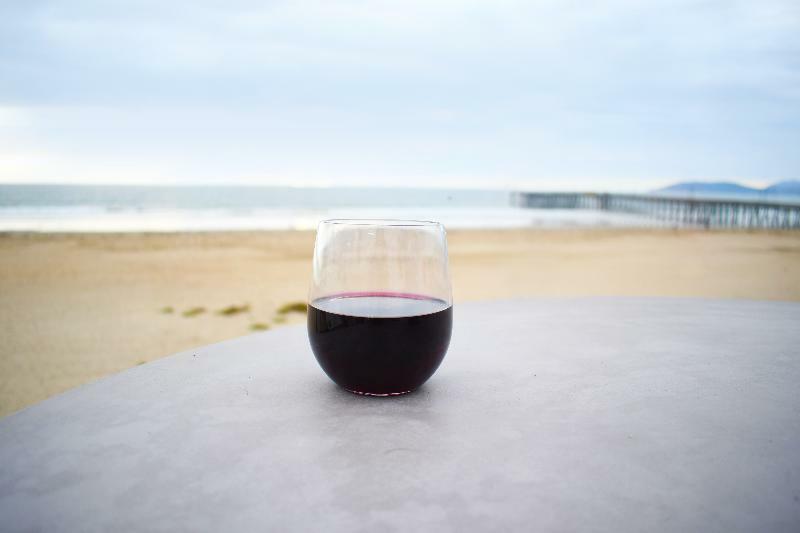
point(562, 415)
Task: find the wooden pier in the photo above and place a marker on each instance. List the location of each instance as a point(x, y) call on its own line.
point(676, 211)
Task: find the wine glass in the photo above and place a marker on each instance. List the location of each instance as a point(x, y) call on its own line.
point(380, 308)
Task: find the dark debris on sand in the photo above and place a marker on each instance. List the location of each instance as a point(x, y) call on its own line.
point(234, 310)
point(293, 307)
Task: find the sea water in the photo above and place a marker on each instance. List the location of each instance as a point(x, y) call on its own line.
point(87, 208)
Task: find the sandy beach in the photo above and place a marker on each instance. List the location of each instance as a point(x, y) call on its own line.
point(75, 308)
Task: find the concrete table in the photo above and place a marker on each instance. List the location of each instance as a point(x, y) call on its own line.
point(564, 415)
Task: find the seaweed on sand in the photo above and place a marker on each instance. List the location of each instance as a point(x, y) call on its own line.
point(194, 311)
point(293, 307)
point(234, 310)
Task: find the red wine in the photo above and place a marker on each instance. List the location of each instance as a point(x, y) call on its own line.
point(379, 343)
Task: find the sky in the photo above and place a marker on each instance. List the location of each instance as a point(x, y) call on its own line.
point(614, 95)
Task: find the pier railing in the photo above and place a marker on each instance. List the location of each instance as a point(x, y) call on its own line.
point(708, 213)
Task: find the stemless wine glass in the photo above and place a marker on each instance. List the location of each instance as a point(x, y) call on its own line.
point(380, 306)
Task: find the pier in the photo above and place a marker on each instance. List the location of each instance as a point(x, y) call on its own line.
point(690, 212)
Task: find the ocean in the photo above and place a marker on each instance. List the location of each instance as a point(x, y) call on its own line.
point(98, 208)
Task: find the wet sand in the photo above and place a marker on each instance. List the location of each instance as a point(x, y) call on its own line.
point(75, 308)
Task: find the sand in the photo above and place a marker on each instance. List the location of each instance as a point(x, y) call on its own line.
point(74, 308)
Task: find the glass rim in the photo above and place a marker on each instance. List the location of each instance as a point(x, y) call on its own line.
point(378, 222)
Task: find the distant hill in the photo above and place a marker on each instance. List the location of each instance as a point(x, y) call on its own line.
point(700, 187)
point(722, 189)
point(787, 188)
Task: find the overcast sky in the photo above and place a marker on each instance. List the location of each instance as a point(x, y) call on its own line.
point(625, 94)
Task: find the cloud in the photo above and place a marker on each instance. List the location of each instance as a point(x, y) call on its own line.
point(483, 92)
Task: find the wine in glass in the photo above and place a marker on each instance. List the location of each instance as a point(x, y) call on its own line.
point(380, 305)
